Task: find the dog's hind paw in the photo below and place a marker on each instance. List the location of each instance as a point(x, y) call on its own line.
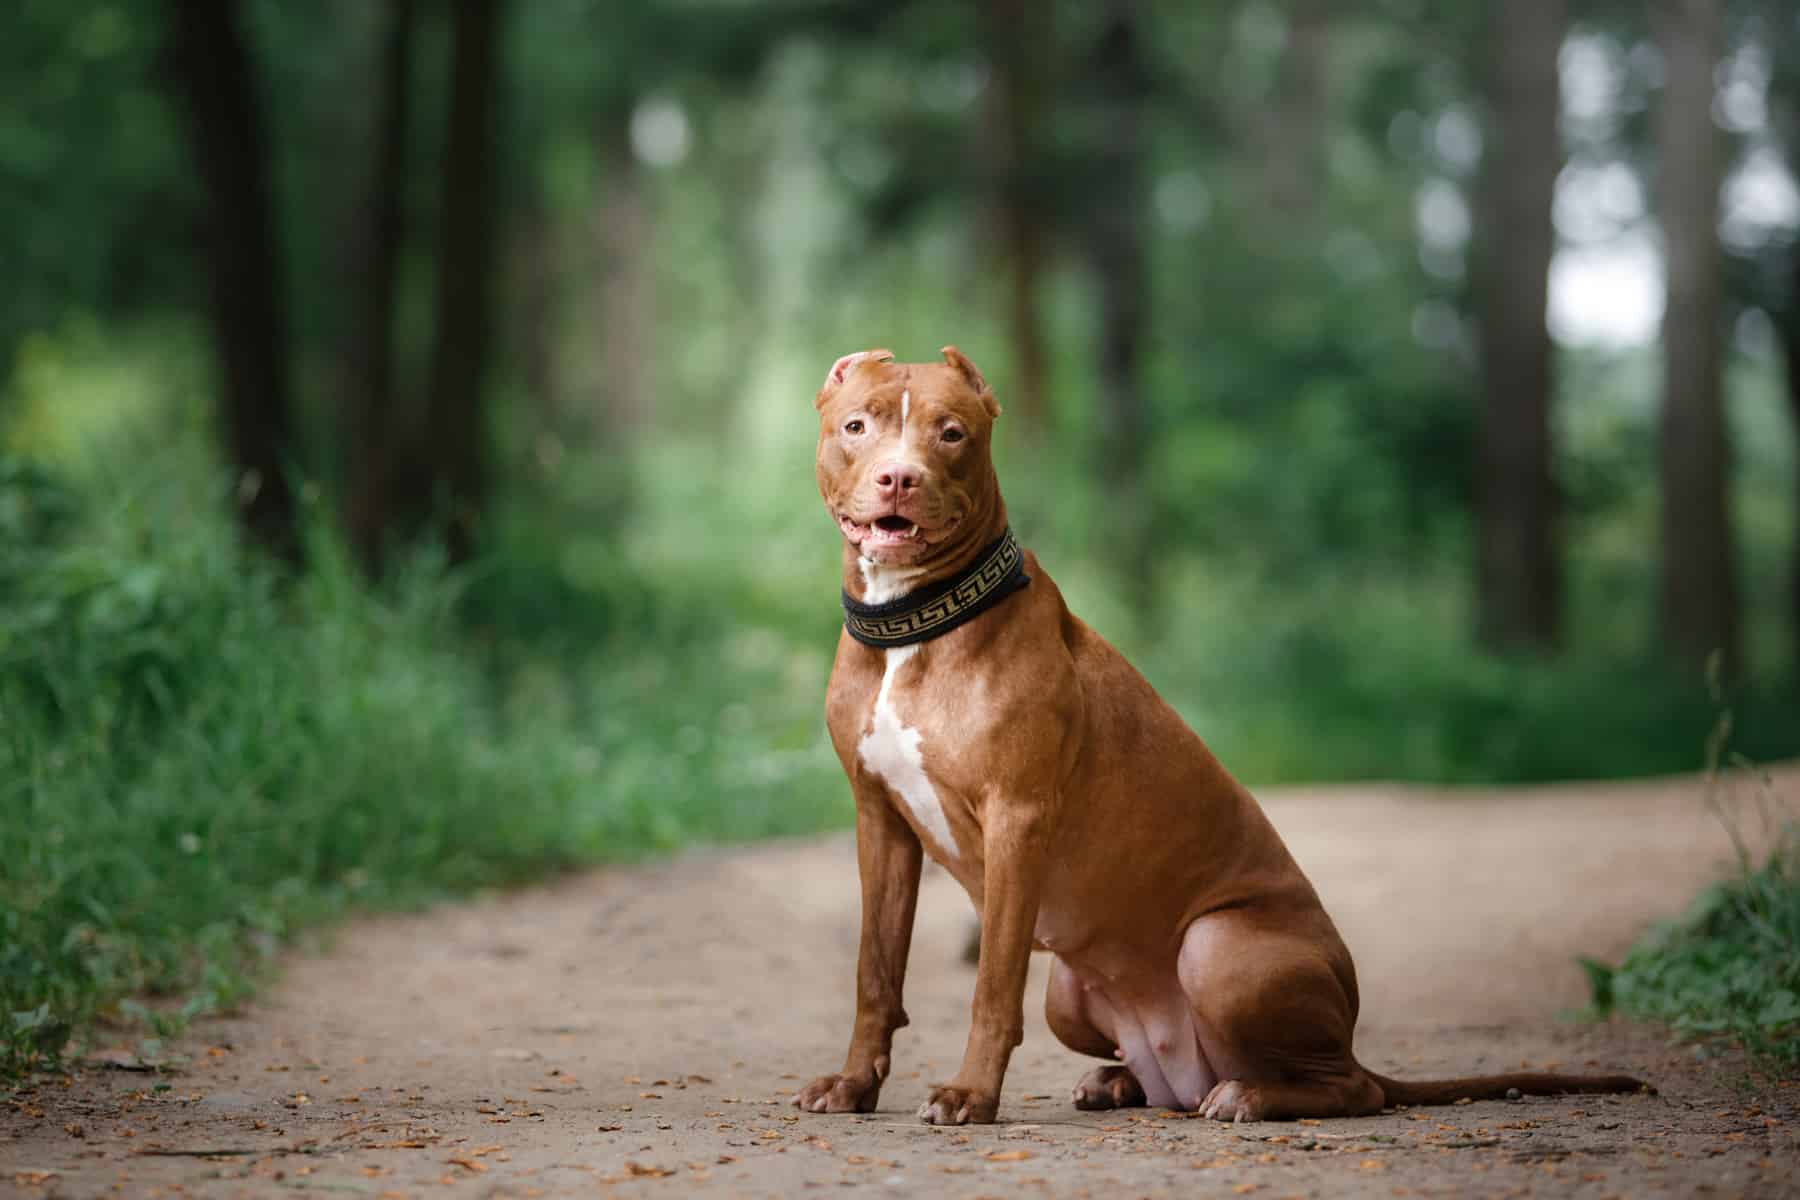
point(1233, 1100)
point(1108, 1087)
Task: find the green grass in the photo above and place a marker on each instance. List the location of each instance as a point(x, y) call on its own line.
point(198, 758)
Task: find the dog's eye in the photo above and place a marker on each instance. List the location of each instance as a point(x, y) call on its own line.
point(952, 434)
point(853, 426)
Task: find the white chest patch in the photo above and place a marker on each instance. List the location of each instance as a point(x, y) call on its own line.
point(891, 751)
point(882, 583)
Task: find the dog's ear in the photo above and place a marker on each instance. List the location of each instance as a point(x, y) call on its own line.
point(956, 358)
point(841, 369)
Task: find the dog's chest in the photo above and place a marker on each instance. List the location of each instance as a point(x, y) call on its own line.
point(894, 751)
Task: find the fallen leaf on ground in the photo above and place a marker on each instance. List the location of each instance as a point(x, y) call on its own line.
point(646, 1170)
point(1007, 1155)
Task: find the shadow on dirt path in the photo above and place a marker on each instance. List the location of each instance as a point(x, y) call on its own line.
point(637, 1031)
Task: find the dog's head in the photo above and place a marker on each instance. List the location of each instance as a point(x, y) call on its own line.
point(903, 458)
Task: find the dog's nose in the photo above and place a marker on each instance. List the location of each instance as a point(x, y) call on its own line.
point(897, 477)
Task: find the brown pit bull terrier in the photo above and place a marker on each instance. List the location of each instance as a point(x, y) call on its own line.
point(981, 722)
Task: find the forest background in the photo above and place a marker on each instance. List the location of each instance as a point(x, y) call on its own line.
point(405, 424)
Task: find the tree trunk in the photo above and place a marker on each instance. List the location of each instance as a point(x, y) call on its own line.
point(1518, 571)
point(369, 421)
point(1790, 342)
point(627, 287)
point(225, 125)
point(455, 426)
point(536, 270)
point(1020, 43)
point(1294, 131)
point(1117, 204)
point(1699, 595)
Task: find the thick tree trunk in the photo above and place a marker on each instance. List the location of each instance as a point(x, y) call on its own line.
point(455, 426)
point(215, 77)
point(369, 421)
point(1020, 40)
point(1115, 242)
point(1699, 593)
point(1518, 569)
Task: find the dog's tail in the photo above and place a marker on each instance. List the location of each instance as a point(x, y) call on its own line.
point(1499, 1087)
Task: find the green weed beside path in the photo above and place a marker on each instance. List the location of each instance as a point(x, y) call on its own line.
point(1730, 968)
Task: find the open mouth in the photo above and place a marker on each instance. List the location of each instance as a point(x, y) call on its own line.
point(891, 531)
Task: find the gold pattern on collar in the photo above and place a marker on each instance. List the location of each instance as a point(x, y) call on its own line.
point(908, 620)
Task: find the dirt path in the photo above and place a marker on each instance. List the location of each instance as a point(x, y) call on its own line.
point(633, 1032)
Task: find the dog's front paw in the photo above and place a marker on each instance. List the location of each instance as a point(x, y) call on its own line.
point(1233, 1100)
point(839, 1094)
point(951, 1105)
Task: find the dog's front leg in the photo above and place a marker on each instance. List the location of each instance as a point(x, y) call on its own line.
point(888, 859)
point(1015, 839)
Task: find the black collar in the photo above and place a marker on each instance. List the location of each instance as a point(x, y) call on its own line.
point(998, 572)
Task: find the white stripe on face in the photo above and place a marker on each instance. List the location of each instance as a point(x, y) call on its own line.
point(905, 405)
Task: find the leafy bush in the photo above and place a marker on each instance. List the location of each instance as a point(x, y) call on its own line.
point(198, 756)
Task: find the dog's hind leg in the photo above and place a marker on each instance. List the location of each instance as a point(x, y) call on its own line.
point(1274, 1000)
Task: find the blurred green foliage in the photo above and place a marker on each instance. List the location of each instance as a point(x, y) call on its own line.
point(197, 759)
